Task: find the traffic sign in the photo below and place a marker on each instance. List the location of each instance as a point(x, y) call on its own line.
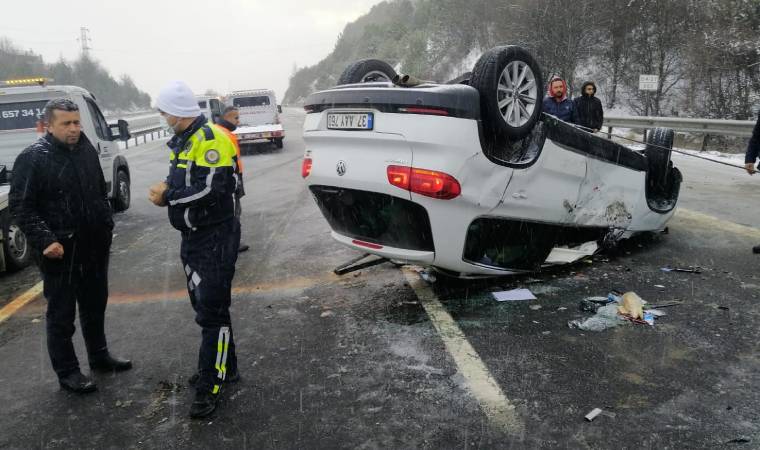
point(648, 82)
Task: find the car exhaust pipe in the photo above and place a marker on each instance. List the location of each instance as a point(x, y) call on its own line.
point(407, 81)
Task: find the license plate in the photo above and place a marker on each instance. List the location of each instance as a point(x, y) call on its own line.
point(350, 121)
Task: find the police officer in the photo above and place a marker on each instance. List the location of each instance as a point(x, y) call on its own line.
point(200, 195)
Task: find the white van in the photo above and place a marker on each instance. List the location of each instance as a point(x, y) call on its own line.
point(22, 104)
point(259, 116)
point(211, 106)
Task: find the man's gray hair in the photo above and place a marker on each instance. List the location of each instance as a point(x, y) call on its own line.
point(229, 109)
point(59, 104)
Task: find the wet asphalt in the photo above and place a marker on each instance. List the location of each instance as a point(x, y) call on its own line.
point(354, 361)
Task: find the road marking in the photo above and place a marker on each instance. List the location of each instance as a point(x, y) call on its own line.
point(20, 301)
point(715, 223)
point(495, 405)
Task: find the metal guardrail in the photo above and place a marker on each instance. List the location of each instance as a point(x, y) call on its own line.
point(741, 128)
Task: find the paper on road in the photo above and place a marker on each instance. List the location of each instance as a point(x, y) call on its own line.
point(513, 295)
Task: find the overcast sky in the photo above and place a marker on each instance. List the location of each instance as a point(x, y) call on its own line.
point(223, 45)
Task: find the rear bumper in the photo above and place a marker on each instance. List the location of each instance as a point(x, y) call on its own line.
point(248, 135)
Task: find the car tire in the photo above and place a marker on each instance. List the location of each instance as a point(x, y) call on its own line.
point(504, 115)
point(16, 248)
point(657, 152)
point(278, 143)
point(367, 71)
point(123, 193)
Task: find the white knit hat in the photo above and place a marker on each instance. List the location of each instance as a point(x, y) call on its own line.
point(177, 99)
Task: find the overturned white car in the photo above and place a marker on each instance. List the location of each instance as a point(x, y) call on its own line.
point(469, 177)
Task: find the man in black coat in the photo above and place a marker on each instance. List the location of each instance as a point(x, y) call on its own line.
point(750, 158)
point(59, 199)
point(588, 108)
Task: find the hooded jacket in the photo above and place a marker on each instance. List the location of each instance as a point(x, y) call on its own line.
point(564, 109)
point(588, 109)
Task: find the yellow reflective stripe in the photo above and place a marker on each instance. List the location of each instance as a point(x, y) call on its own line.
point(216, 389)
point(182, 166)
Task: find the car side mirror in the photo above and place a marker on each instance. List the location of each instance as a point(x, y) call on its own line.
point(120, 131)
point(279, 109)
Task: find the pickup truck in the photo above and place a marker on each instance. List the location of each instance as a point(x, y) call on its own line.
point(259, 117)
point(22, 104)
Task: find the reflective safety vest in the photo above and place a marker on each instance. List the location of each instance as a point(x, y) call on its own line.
point(202, 179)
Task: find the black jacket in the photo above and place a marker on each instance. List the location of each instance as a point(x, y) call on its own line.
point(59, 194)
point(588, 109)
point(753, 148)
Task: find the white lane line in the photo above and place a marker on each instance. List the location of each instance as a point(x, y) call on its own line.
point(715, 223)
point(495, 405)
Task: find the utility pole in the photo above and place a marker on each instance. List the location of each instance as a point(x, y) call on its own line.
point(85, 40)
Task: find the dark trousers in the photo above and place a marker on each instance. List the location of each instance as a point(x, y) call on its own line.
point(76, 280)
point(208, 257)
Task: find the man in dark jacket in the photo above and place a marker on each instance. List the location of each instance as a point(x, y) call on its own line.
point(750, 158)
point(556, 102)
point(588, 108)
point(58, 197)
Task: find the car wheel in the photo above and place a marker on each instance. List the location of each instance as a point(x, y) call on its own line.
point(367, 71)
point(657, 151)
point(278, 143)
point(508, 80)
point(123, 194)
point(15, 247)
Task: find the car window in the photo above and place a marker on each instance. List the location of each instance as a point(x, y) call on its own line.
point(243, 102)
point(21, 115)
point(215, 106)
point(202, 104)
point(98, 121)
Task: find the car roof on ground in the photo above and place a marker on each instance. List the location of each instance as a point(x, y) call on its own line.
point(251, 92)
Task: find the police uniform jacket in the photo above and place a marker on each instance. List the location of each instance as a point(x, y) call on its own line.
point(202, 178)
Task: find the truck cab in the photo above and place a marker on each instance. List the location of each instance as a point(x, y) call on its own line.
point(22, 104)
point(211, 106)
point(259, 116)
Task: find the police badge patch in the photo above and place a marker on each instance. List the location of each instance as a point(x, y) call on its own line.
point(212, 156)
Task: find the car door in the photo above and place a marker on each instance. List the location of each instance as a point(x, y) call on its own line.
point(100, 136)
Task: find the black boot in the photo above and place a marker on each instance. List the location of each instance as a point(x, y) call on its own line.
point(756, 249)
point(109, 363)
point(203, 405)
point(78, 383)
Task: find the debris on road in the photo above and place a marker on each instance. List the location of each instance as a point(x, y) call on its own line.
point(327, 314)
point(535, 307)
point(682, 269)
point(606, 317)
point(515, 295)
point(564, 255)
point(593, 414)
point(632, 305)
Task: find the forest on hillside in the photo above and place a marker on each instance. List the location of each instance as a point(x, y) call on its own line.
point(705, 52)
point(113, 95)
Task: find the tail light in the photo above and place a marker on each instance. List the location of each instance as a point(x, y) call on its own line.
point(277, 133)
point(306, 167)
point(424, 182)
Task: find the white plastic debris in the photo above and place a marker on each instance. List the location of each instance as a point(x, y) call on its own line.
point(515, 295)
point(561, 255)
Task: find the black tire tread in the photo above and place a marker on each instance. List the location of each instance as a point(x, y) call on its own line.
point(485, 77)
point(356, 71)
